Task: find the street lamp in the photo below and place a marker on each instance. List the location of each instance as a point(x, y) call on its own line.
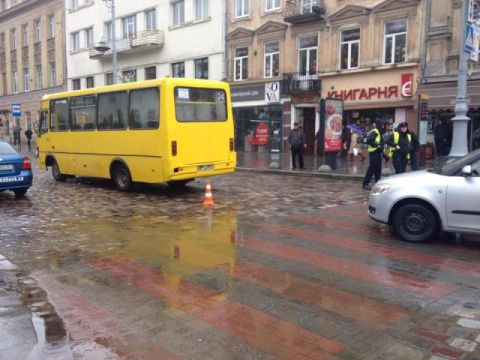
point(102, 45)
point(460, 120)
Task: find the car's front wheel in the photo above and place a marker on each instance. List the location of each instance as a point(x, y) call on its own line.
point(415, 222)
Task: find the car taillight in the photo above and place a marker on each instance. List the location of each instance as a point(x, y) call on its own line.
point(27, 165)
point(232, 145)
point(174, 148)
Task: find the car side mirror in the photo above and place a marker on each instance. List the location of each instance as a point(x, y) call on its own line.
point(467, 170)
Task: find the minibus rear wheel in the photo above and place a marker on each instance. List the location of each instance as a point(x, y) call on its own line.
point(57, 175)
point(121, 177)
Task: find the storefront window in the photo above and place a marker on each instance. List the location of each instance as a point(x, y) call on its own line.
point(258, 129)
point(364, 118)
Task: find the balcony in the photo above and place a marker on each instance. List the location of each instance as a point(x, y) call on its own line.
point(142, 41)
point(296, 82)
point(304, 11)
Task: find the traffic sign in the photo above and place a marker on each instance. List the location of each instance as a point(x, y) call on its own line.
point(16, 110)
point(476, 42)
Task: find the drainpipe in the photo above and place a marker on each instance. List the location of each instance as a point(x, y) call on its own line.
point(224, 39)
point(423, 53)
point(64, 41)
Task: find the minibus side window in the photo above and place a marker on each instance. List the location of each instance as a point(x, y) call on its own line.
point(59, 115)
point(144, 109)
point(112, 111)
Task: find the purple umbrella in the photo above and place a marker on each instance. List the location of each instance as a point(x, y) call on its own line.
point(355, 128)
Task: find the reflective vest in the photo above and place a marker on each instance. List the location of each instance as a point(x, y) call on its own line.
point(378, 139)
point(396, 138)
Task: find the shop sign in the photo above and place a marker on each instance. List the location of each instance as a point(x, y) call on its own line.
point(333, 114)
point(376, 93)
point(272, 92)
point(407, 85)
point(248, 93)
point(260, 135)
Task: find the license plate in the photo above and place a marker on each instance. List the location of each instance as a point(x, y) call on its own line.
point(6, 167)
point(11, 179)
point(205, 168)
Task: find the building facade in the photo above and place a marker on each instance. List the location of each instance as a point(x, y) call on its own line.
point(153, 39)
point(366, 53)
point(32, 58)
point(440, 69)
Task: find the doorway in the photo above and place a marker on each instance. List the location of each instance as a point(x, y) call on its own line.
point(306, 118)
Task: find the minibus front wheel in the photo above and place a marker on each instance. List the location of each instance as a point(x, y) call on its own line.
point(121, 177)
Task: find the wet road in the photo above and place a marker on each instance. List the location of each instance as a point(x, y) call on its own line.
point(280, 268)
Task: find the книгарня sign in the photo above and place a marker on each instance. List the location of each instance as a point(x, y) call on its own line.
point(372, 93)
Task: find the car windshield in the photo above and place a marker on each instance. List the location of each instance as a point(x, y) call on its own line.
point(448, 167)
point(6, 149)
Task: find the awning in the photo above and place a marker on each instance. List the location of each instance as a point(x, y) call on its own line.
point(442, 95)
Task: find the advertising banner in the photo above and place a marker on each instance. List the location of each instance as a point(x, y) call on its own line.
point(333, 124)
point(260, 135)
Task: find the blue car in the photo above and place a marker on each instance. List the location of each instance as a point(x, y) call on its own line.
point(15, 170)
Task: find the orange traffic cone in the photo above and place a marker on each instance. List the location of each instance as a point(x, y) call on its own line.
point(208, 195)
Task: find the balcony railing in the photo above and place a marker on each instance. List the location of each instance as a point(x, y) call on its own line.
point(304, 11)
point(141, 41)
point(297, 82)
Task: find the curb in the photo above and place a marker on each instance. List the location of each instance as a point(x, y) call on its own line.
point(332, 175)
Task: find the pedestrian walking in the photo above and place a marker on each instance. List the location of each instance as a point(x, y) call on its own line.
point(15, 135)
point(28, 135)
point(441, 138)
point(414, 149)
point(375, 150)
point(355, 146)
point(476, 139)
point(296, 139)
point(400, 144)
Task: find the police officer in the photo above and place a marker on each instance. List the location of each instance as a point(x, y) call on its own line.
point(375, 150)
point(400, 143)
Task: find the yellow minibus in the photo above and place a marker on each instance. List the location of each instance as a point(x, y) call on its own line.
point(169, 130)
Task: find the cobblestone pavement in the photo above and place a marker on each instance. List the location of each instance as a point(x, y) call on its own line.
point(282, 267)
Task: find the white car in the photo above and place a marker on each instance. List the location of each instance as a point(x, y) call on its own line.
point(419, 204)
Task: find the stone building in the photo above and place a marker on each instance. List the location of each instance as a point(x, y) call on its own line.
point(365, 52)
point(153, 38)
point(440, 69)
point(32, 58)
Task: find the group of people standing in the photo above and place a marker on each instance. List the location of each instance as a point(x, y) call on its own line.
point(401, 146)
point(17, 130)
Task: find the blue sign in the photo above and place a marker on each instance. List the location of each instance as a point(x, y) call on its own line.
point(468, 46)
point(16, 110)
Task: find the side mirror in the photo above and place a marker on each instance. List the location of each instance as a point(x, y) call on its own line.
point(467, 170)
point(36, 128)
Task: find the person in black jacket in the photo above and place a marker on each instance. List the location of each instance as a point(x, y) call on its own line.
point(400, 145)
point(441, 138)
point(414, 149)
point(375, 150)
